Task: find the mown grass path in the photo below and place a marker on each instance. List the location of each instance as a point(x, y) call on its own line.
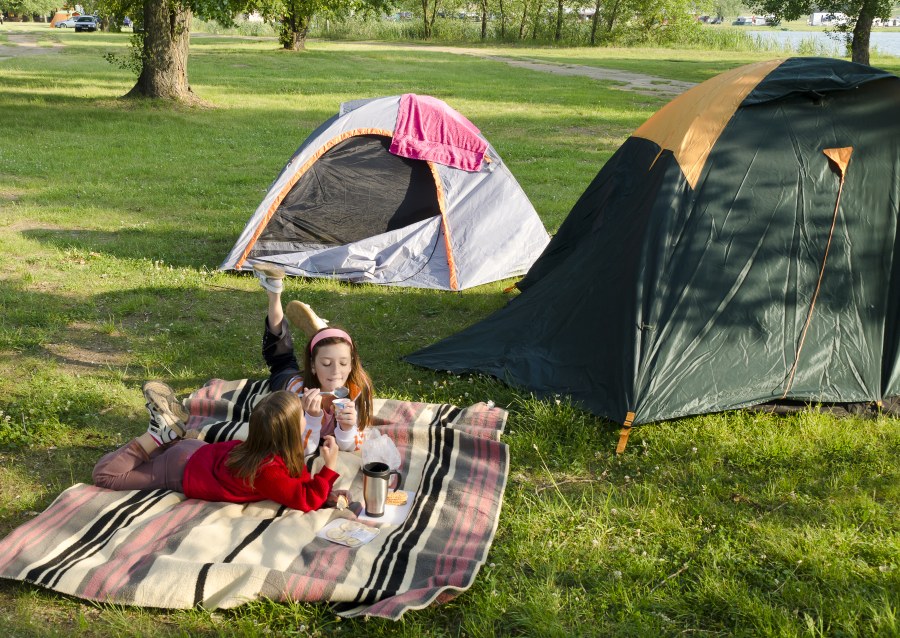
point(114, 215)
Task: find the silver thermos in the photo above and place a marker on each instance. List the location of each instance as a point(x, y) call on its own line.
point(375, 487)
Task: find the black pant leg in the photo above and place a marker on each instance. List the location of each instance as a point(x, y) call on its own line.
point(278, 351)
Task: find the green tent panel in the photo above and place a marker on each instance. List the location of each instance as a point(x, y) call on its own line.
point(682, 280)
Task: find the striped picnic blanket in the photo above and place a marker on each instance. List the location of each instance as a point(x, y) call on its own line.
point(155, 548)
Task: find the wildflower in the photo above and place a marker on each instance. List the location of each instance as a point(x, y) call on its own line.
point(656, 469)
point(435, 384)
point(467, 394)
point(617, 575)
point(595, 543)
point(492, 565)
point(627, 478)
point(694, 450)
point(490, 404)
point(614, 511)
point(409, 380)
point(493, 592)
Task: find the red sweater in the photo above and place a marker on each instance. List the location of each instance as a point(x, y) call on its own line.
point(207, 478)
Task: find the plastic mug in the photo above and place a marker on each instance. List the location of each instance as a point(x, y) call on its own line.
point(376, 477)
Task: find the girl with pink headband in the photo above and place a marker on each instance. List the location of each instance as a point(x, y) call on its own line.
point(330, 361)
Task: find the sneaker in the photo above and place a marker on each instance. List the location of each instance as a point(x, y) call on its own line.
point(270, 276)
point(167, 414)
point(303, 317)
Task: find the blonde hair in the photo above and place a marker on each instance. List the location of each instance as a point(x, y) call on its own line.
point(276, 428)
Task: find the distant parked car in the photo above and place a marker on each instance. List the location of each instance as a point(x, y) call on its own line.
point(86, 23)
point(715, 21)
point(743, 22)
point(68, 22)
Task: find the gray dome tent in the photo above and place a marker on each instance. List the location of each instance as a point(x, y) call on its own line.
point(346, 207)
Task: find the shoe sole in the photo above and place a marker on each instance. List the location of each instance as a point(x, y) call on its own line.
point(302, 317)
point(270, 270)
point(166, 403)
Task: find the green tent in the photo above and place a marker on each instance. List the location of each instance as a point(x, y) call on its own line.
point(689, 277)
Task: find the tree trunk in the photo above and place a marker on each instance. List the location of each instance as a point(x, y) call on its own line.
point(559, 18)
point(612, 17)
point(502, 22)
point(434, 9)
point(425, 18)
point(293, 31)
point(167, 38)
point(537, 19)
point(861, 33)
point(594, 22)
point(524, 15)
point(483, 19)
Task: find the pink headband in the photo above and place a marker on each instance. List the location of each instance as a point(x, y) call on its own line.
point(329, 332)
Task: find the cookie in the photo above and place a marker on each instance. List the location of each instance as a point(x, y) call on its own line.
point(396, 498)
point(335, 534)
point(352, 542)
point(342, 502)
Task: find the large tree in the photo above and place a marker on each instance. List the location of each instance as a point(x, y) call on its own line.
point(858, 26)
point(161, 41)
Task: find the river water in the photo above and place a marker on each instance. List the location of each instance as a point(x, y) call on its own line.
point(886, 41)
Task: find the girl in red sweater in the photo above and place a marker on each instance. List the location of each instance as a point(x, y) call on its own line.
point(268, 465)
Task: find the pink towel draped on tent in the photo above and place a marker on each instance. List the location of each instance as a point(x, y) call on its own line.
point(428, 129)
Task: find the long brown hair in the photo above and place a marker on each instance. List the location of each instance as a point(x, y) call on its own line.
point(358, 376)
point(276, 427)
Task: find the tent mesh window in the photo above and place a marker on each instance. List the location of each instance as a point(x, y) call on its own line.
point(356, 190)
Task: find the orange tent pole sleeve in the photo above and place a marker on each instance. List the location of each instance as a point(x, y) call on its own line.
point(440, 195)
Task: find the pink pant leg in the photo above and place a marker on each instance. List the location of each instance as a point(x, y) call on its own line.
point(130, 468)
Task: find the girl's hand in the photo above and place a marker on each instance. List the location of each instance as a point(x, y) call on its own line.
point(329, 452)
point(347, 418)
point(312, 402)
point(331, 501)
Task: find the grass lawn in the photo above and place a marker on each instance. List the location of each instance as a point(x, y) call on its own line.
point(114, 215)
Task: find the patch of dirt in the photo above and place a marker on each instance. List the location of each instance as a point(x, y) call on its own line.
point(82, 347)
point(27, 44)
point(624, 80)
